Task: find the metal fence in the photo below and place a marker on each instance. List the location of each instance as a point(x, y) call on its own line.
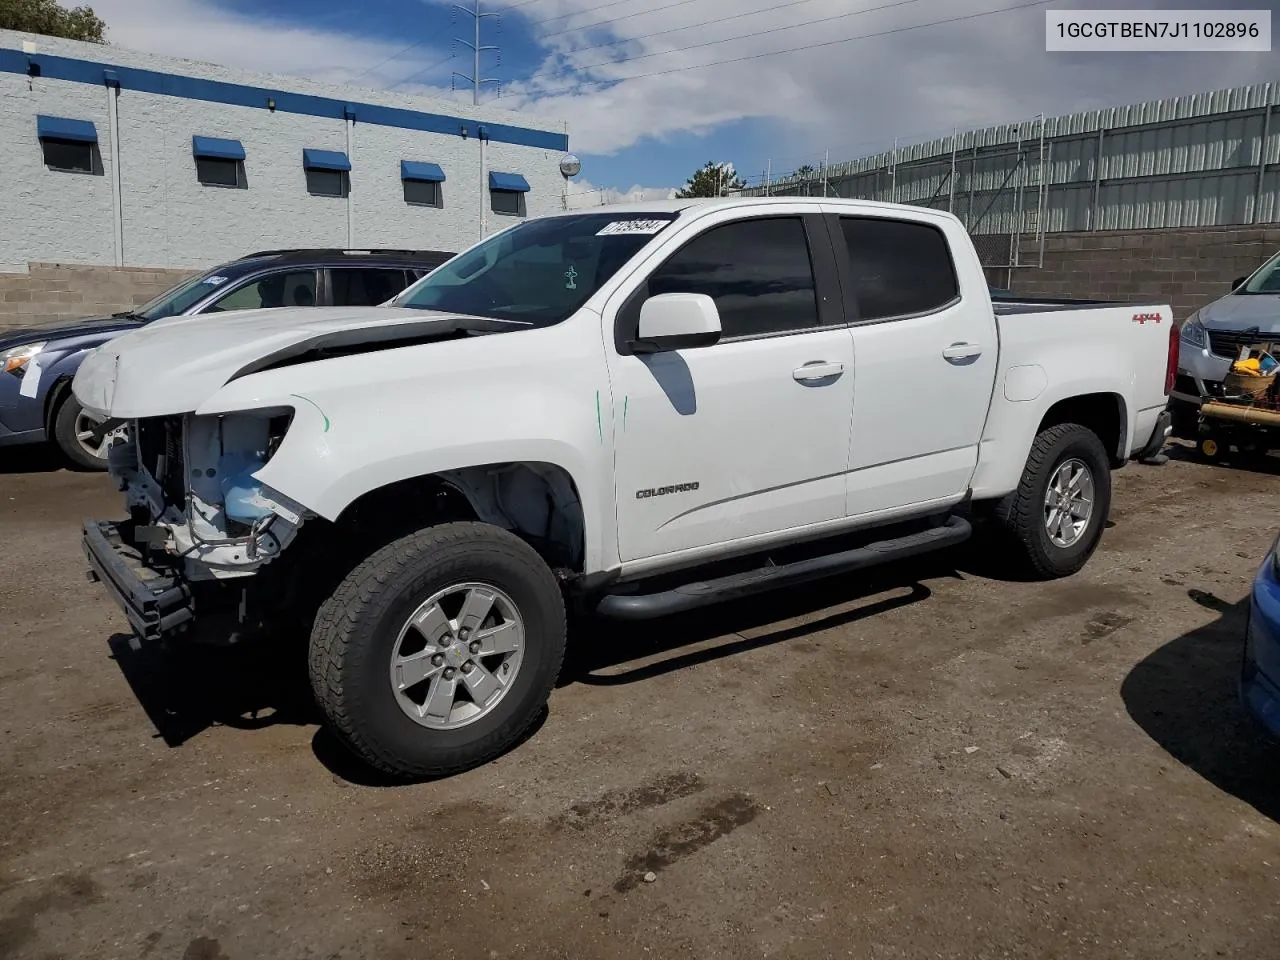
point(1211, 159)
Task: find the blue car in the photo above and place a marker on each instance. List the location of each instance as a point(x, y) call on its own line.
point(37, 363)
point(1260, 674)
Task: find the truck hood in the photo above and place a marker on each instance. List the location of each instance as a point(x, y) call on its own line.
point(173, 365)
point(1242, 311)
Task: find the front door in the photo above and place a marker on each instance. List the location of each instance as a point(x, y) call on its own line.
point(924, 359)
point(750, 436)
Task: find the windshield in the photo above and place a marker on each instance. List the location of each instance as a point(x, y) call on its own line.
point(177, 299)
point(1266, 279)
point(538, 272)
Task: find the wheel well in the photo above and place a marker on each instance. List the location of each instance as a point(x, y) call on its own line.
point(538, 502)
point(57, 394)
point(1103, 413)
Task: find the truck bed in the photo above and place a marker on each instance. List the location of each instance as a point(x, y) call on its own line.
point(1053, 350)
point(1011, 306)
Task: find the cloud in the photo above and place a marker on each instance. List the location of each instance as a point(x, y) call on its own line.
point(195, 30)
point(840, 100)
point(850, 98)
point(584, 194)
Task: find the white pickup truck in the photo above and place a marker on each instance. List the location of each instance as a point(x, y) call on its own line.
point(633, 411)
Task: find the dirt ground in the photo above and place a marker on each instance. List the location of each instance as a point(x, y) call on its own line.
point(924, 763)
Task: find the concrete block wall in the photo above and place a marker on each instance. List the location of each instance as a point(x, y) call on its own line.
point(55, 292)
point(1187, 268)
point(167, 218)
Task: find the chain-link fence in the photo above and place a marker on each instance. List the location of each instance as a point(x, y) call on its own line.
point(996, 190)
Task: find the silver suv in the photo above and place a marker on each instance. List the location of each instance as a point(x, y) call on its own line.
point(1213, 335)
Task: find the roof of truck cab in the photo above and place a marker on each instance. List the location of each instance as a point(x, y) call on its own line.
point(678, 205)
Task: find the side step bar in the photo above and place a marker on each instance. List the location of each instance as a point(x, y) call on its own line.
point(693, 595)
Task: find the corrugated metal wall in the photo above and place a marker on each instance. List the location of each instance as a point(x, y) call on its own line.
point(1206, 160)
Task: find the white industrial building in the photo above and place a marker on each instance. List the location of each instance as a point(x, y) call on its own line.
point(119, 158)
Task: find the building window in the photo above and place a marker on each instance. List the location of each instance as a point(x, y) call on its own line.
point(69, 146)
point(328, 173)
point(218, 173)
point(422, 193)
point(422, 183)
point(506, 193)
point(219, 163)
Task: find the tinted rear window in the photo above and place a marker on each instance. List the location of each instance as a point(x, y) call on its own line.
point(899, 267)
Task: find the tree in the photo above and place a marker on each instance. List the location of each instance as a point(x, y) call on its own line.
point(712, 180)
point(50, 19)
point(804, 172)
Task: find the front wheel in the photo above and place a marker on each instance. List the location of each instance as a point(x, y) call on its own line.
point(439, 651)
point(1055, 517)
point(82, 437)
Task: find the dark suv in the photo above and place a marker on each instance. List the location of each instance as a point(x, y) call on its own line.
point(37, 363)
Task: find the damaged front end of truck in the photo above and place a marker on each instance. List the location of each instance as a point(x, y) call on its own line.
point(200, 524)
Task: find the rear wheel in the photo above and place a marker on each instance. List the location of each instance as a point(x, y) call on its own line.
point(83, 438)
point(440, 650)
point(1056, 516)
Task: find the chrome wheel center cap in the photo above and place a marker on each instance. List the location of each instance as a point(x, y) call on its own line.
point(457, 655)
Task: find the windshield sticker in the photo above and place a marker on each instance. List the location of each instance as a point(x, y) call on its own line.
point(570, 276)
point(214, 281)
point(624, 227)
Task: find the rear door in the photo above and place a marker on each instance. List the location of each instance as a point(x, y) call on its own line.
point(924, 359)
point(365, 286)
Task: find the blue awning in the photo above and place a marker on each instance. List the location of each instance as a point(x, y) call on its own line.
point(60, 128)
point(325, 160)
point(217, 149)
point(418, 170)
point(508, 181)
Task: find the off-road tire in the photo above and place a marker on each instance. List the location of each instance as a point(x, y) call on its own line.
point(64, 436)
point(356, 628)
point(1021, 513)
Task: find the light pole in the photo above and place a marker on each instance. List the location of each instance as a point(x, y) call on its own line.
point(570, 166)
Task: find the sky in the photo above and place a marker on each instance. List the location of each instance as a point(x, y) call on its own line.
point(652, 89)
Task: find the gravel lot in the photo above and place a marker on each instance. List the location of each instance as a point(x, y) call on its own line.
point(928, 763)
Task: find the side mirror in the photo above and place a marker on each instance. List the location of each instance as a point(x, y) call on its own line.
point(676, 321)
point(1238, 282)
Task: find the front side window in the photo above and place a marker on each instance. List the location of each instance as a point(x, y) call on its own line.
point(295, 289)
point(364, 287)
point(757, 271)
point(900, 268)
point(540, 271)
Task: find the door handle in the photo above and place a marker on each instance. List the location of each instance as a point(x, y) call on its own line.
point(817, 370)
point(962, 351)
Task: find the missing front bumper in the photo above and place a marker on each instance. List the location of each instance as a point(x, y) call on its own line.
point(155, 603)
